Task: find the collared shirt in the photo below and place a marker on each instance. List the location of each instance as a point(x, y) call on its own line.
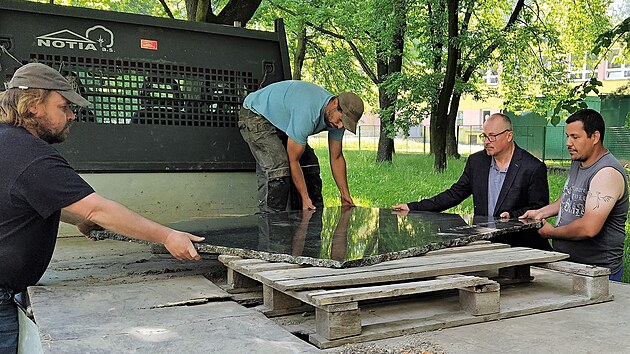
point(496, 178)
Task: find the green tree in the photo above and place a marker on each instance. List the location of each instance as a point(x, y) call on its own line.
point(423, 56)
point(540, 69)
point(453, 41)
point(420, 57)
point(464, 37)
point(342, 45)
point(349, 46)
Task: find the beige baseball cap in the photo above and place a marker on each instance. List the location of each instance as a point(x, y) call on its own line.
point(40, 76)
point(352, 110)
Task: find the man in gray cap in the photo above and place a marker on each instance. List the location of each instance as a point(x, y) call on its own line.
point(39, 189)
point(276, 122)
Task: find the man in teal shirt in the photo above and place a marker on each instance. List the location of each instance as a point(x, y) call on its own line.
point(276, 122)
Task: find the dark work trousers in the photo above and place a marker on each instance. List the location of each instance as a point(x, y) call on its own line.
point(268, 145)
point(8, 323)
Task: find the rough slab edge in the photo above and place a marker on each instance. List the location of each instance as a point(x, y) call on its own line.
point(330, 263)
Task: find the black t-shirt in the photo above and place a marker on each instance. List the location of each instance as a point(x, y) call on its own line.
point(36, 184)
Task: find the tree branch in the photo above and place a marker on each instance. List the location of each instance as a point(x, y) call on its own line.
point(167, 9)
point(485, 54)
point(238, 10)
point(366, 68)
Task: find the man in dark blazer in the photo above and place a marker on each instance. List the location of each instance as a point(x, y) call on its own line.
point(504, 181)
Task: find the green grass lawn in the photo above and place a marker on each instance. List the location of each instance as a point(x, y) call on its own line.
point(410, 178)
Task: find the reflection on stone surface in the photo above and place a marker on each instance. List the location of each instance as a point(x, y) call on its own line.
point(341, 237)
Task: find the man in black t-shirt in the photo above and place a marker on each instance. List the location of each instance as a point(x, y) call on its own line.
point(39, 189)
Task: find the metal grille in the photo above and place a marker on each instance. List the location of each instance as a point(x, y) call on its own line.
point(617, 139)
point(138, 92)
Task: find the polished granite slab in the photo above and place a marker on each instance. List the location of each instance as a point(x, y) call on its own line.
point(340, 237)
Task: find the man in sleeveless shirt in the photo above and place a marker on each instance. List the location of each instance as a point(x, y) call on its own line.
point(592, 210)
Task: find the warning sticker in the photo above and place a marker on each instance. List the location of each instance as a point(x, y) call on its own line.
point(148, 44)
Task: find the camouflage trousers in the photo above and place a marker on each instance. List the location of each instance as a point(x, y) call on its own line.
point(268, 145)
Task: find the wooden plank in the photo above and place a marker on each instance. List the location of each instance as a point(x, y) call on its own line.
point(275, 300)
point(482, 300)
point(236, 280)
point(243, 262)
point(333, 325)
point(318, 278)
point(591, 287)
point(225, 259)
point(448, 320)
point(267, 266)
point(412, 262)
point(576, 268)
point(472, 247)
point(250, 267)
point(326, 297)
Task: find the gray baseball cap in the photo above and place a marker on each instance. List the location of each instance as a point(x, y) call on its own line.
point(40, 76)
point(352, 110)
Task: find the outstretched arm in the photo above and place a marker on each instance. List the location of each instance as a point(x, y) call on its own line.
point(544, 212)
point(339, 172)
point(295, 151)
point(117, 218)
point(606, 187)
point(451, 197)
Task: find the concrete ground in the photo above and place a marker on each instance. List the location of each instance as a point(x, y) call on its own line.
point(87, 280)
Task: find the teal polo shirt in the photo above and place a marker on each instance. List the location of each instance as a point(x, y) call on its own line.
point(295, 107)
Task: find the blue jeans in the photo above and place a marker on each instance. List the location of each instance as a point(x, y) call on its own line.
point(616, 276)
point(8, 323)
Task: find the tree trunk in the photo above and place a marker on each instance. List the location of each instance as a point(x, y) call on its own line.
point(439, 146)
point(435, 28)
point(191, 9)
point(451, 127)
point(385, 143)
point(203, 10)
point(386, 66)
point(300, 54)
point(432, 123)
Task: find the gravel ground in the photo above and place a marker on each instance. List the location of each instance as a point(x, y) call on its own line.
point(402, 345)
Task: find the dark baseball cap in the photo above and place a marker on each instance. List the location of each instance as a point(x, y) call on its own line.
point(40, 76)
point(352, 110)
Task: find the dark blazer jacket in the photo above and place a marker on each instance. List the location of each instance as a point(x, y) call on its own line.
point(525, 187)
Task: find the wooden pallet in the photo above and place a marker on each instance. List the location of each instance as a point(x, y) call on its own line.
point(340, 297)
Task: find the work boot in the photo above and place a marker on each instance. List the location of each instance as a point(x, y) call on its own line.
point(277, 195)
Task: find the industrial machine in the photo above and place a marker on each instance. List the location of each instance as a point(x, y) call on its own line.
point(165, 93)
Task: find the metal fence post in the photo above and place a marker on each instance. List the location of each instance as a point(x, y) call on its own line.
point(544, 150)
point(424, 138)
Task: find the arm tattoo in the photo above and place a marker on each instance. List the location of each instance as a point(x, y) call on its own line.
point(599, 196)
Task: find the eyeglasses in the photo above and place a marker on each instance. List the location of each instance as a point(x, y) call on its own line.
point(339, 108)
point(492, 138)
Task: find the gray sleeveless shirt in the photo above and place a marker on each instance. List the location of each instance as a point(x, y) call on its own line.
point(606, 248)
